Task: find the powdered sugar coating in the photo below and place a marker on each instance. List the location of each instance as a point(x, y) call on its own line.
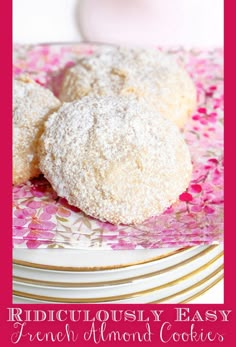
point(148, 74)
point(114, 159)
point(31, 106)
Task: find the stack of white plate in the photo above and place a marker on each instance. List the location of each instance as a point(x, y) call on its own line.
point(99, 276)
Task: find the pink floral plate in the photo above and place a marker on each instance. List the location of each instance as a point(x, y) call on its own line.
point(41, 219)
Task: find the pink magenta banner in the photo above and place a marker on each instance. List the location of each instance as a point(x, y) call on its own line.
point(41, 218)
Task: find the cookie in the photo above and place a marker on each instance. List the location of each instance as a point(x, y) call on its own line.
point(114, 159)
point(31, 106)
point(148, 74)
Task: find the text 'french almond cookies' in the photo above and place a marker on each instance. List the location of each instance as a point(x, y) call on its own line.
point(31, 106)
point(114, 159)
point(149, 74)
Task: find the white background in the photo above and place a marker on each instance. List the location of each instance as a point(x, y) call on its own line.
point(185, 22)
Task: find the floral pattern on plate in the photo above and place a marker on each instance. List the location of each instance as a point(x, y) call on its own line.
point(41, 219)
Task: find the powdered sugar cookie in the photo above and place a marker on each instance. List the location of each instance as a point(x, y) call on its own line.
point(31, 106)
point(114, 159)
point(148, 74)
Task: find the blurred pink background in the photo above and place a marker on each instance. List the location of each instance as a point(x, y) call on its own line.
point(188, 23)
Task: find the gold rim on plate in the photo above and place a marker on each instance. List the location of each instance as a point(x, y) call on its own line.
point(192, 297)
point(132, 295)
point(40, 299)
point(204, 290)
point(115, 282)
point(98, 268)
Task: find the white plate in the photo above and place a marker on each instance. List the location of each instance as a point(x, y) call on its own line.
point(183, 296)
point(114, 274)
point(71, 259)
point(154, 286)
